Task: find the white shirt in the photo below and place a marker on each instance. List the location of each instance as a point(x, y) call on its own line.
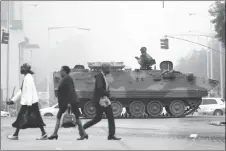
point(28, 95)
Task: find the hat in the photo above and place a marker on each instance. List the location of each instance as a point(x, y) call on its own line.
point(27, 68)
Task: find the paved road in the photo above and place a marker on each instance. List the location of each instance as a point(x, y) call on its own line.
point(152, 134)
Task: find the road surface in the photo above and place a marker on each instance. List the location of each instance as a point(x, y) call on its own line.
point(137, 134)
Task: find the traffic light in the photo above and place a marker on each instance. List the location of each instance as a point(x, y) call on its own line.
point(164, 43)
point(5, 37)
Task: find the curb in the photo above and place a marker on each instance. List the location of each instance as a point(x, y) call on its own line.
point(217, 123)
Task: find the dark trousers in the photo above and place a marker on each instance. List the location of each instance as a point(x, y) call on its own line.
point(99, 113)
point(76, 112)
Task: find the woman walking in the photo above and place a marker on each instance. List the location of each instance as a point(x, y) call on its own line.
point(67, 96)
point(29, 115)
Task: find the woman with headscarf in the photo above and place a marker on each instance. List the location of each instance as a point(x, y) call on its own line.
point(29, 105)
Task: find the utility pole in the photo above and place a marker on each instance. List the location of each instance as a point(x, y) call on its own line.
point(47, 88)
point(211, 63)
point(207, 60)
point(221, 69)
point(211, 56)
point(8, 53)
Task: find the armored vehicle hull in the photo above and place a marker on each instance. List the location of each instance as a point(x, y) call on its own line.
point(142, 92)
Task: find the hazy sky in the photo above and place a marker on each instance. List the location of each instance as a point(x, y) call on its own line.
point(118, 30)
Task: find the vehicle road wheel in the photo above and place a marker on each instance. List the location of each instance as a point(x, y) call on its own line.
point(117, 108)
point(154, 108)
point(218, 113)
point(48, 114)
point(137, 108)
point(177, 108)
point(89, 109)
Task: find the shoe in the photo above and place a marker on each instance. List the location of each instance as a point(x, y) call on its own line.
point(53, 137)
point(83, 137)
point(11, 137)
point(113, 138)
point(43, 137)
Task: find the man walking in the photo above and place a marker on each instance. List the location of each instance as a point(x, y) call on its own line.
point(102, 103)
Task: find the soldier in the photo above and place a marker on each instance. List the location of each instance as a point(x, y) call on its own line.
point(145, 59)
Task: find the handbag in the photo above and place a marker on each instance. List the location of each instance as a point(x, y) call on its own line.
point(68, 119)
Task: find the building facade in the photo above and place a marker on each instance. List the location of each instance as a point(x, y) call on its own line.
point(15, 37)
point(19, 50)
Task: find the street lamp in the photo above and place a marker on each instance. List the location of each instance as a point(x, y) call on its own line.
point(8, 53)
point(63, 27)
point(221, 62)
point(59, 28)
point(211, 52)
point(220, 51)
point(209, 64)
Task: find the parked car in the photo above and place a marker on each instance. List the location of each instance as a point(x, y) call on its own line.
point(50, 111)
point(5, 114)
point(212, 106)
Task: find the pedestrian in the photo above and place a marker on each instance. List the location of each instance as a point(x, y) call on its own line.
point(67, 96)
point(102, 102)
point(29, 115)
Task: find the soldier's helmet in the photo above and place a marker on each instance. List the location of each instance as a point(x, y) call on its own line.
point(143, 49)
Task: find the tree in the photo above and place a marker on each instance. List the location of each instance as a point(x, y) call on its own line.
point(218, 12)
point(196, 63)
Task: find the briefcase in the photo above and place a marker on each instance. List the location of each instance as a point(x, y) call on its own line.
point(68, 119)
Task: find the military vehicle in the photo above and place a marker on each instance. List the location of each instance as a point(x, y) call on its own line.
point(142, 91)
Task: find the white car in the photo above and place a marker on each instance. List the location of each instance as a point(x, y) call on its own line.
point(5, 114)
point(50, 111)
point(212, 106)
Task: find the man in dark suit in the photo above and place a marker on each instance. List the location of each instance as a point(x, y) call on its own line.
point(101, 100)
point(66, 95)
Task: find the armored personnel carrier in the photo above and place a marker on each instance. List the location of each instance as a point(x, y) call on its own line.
point(142, 91)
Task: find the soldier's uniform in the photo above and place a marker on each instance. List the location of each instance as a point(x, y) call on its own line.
point(145, 59)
